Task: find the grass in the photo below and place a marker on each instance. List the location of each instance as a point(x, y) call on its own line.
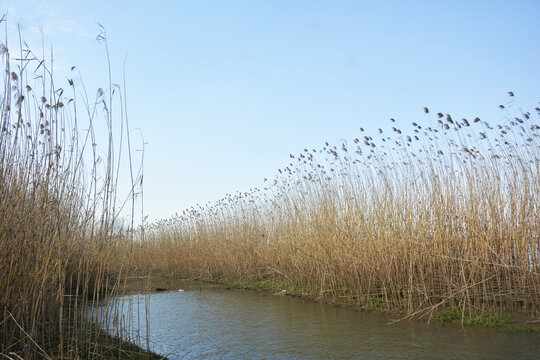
point(524, 329)
point(440, 214)
point(450, 314)
point(489, 320)
point(481, 319)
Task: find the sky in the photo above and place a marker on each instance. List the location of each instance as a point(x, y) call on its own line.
point(224, 91)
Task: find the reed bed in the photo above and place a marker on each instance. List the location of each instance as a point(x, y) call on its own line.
point(59, 235)
point(440, 214)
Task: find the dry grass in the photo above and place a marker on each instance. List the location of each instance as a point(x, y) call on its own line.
point(58, 248)
point(444, 216)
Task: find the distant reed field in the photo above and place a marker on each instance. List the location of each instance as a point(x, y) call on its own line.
point(442, 215)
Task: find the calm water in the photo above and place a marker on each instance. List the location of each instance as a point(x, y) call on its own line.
point(214, 323)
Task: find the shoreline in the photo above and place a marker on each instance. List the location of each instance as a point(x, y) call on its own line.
point(512, 322)
point(117, 348)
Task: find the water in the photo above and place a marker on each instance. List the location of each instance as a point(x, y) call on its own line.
point(206, 322)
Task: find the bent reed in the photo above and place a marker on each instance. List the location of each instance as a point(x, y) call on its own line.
point(441, 216)
point(59, 234)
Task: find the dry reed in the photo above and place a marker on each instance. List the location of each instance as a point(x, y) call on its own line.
point(58, 229)
point(442, 215)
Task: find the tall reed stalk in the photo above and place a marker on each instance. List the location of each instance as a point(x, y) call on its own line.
point(59, 239)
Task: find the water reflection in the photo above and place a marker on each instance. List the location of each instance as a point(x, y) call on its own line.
point(215, 323)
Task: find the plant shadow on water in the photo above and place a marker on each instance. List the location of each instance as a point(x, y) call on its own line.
point(213, 322)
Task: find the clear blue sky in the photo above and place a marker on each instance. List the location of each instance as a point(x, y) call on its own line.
point(223, 91)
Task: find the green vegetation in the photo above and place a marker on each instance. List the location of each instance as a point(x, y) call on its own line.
point(522, 328)
point(451, 314)
point(488, 320)
point(261, 285)
point(482, 319)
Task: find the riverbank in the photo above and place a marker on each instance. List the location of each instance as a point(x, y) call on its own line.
point(215, 321)
point(510, 322)
point(112, 347)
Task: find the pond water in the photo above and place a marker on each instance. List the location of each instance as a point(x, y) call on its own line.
point(210, 322)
